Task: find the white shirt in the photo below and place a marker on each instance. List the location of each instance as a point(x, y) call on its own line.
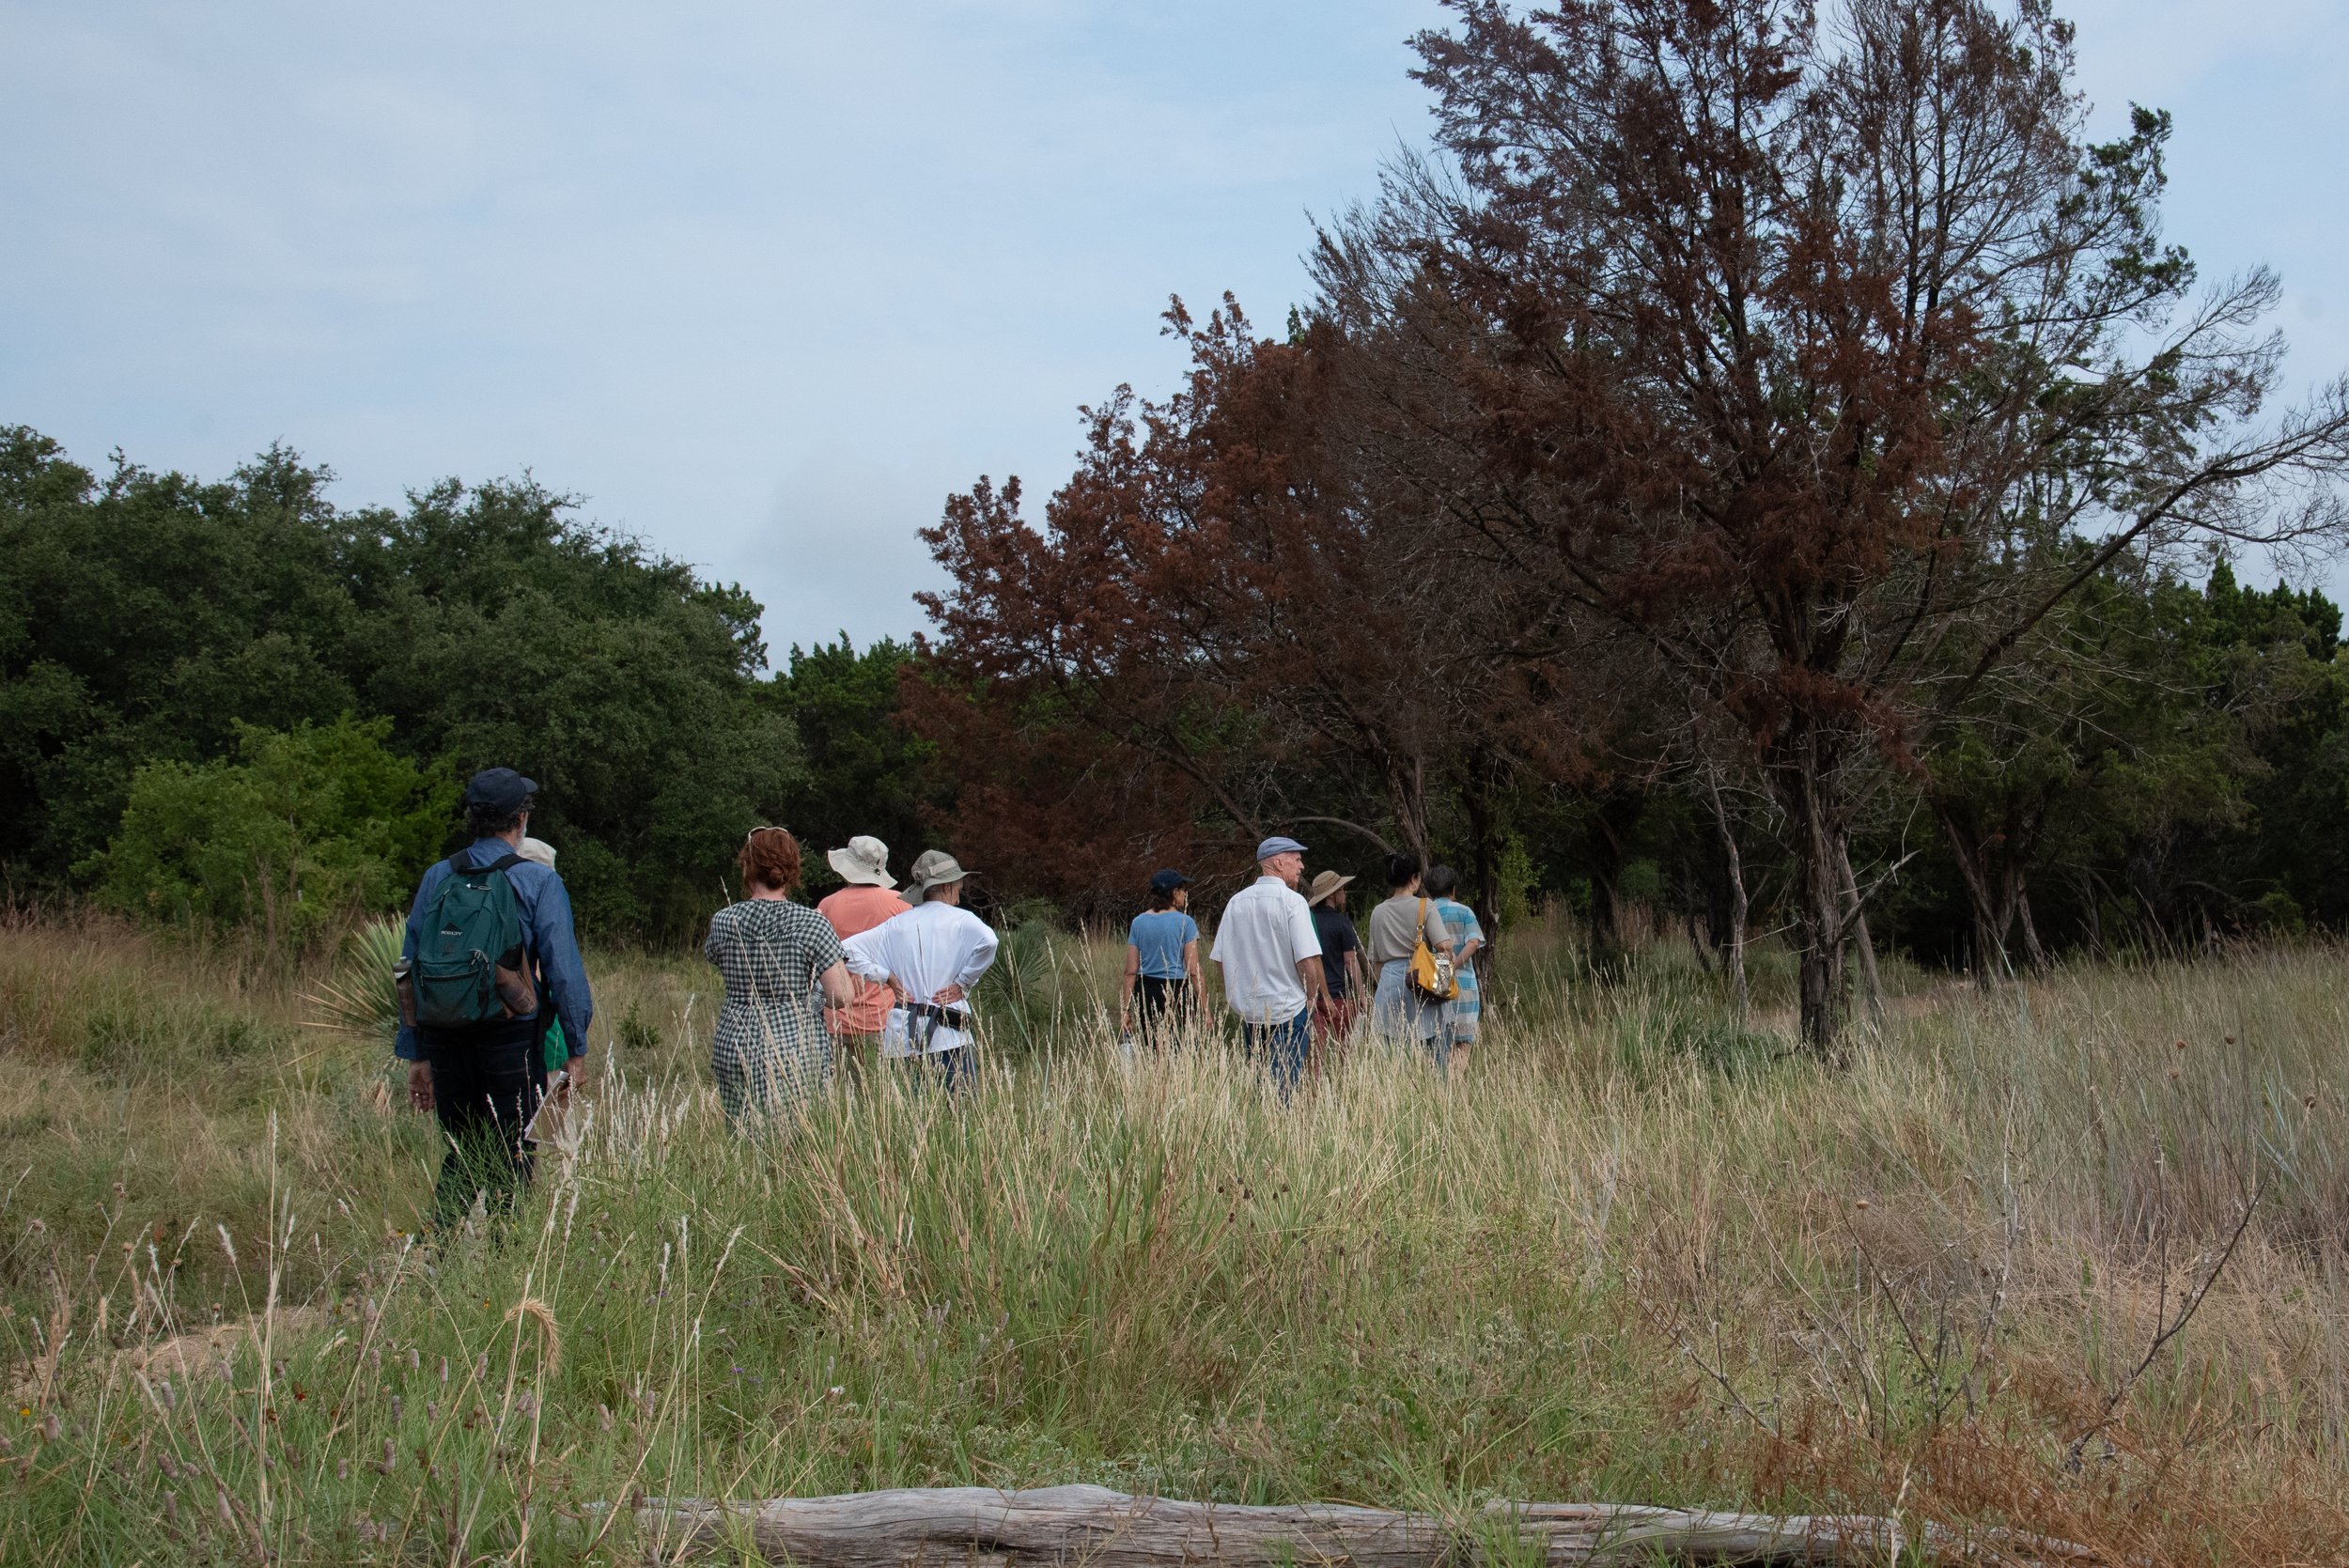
point(929, 948)
point(1266, 932)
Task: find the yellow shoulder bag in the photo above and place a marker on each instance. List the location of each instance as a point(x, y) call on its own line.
point(1431, 972)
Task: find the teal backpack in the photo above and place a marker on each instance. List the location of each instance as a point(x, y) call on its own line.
point(473, 930)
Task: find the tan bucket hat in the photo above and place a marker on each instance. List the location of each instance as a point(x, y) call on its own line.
point(864, 862)
point(1324, 885)
point(933, 868)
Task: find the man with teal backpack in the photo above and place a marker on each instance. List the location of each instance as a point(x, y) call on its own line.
point(489, 931)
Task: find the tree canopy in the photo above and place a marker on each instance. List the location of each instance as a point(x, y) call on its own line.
point(155, 621)
point(1798, 420)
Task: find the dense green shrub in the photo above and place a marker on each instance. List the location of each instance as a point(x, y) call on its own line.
point(296, 833)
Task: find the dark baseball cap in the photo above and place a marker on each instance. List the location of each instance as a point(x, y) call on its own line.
point(1168, 880)
point(500, 788)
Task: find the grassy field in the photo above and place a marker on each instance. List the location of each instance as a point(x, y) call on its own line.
point(1635, 1255)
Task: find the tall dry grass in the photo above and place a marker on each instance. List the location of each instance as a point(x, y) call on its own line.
point(1637, 1253)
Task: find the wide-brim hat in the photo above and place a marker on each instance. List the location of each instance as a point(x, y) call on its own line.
point(864, 860)
point(1324, 885)
point(934, 868)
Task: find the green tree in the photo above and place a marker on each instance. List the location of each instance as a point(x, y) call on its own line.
point(2268, 659)
point(298, 832)
point(143, 618)
point(2131, 748)
point(496, 629)
point(866, 773)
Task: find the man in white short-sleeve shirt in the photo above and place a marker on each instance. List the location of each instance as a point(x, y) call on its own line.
point(1272, 960)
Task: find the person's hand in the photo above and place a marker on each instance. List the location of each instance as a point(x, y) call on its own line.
point(562, 1087)
point(420, 1085)
point(948, 996)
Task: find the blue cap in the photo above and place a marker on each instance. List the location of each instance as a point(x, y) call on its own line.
point(1168, 880)
point(500, 789)
point(1276, 845)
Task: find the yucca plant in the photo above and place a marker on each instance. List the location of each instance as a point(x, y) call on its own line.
point(356, 999)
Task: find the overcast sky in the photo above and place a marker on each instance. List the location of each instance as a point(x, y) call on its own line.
point(763, 283)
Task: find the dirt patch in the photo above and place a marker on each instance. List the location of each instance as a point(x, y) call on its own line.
point(185, 1355)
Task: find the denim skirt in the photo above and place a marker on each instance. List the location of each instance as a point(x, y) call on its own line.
point(1400, 1013)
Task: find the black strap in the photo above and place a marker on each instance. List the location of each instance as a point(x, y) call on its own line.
point(460, 866)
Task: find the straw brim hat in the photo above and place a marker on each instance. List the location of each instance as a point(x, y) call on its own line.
point(1324, 885)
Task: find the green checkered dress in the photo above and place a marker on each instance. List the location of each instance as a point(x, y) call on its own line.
point(770, 1052)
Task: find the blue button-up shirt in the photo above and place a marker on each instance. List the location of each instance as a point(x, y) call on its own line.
point(546, 933)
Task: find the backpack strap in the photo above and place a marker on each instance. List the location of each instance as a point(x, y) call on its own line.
point(460, 864)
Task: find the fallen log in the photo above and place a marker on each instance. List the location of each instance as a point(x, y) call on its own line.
point(976, 1526)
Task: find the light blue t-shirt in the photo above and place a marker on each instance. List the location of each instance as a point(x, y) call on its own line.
point(1160, 937)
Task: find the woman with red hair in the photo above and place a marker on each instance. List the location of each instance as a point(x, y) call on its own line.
point(781, 963)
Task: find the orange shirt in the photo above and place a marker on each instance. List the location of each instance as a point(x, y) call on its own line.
point(854, 909)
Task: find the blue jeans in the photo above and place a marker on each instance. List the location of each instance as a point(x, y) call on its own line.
point(1284, 1046)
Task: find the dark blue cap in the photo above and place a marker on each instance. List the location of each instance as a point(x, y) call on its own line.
point(1167, 881)
point(500, 789)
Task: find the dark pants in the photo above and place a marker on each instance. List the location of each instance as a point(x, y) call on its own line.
point(1284, 1046)
point(1163, 1004)
point(486, 1084)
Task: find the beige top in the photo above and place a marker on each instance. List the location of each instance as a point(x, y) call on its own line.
point(1391, 929)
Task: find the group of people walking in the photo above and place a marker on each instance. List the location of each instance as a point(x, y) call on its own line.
point(1293, 965)
point(495, 1005)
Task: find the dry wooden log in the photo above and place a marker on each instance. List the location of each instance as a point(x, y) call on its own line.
point(980, 1527)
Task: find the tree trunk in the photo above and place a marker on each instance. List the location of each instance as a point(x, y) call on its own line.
point(1820, 979)
point(1865, 943)
point(2033, 953)
point(1699, 944)
point(1734, 932)
point(2091, 901)
point(1990, 959)
point(1616, 816)
point(982, 1528)
point(1483, 851)
point(1800, 778)
point(1407, 795)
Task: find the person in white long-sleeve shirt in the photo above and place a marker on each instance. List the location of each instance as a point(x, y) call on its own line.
point(929, 956)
